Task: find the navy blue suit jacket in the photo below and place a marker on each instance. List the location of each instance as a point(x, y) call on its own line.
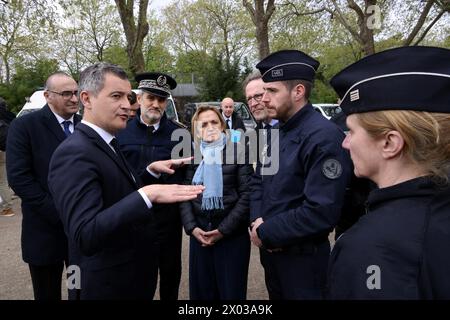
point(32, 139)
point(104, 217)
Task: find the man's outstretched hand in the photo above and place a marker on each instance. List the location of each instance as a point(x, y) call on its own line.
point(168, 166)
point(170, 193)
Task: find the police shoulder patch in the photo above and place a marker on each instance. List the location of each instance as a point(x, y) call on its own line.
point(332, 169)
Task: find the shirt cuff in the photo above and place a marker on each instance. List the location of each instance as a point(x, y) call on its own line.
point(156, 175)
point(146, 199)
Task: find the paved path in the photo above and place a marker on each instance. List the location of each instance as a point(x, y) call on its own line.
point(15, 281)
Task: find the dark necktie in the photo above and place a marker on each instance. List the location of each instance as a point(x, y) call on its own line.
point(151, 129)
point(119, 154)
point(228, 124)
point(66, 125)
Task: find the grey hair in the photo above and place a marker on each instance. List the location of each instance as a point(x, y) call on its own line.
point(92, 78)
point(49, 81)
point(254, 75)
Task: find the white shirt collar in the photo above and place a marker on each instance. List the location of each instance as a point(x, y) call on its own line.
point(225, 117)
point(61, 119)
point(104, 134)
point(272, 122)
point(156, 125)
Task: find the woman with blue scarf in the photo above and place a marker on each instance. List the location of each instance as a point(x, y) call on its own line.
point(217, 220)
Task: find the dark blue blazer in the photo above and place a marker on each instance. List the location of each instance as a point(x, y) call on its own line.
point(104, 217)
point(32, 139)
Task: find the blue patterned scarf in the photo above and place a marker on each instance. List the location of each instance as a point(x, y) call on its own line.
point(209, 173)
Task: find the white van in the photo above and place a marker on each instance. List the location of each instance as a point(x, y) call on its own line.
point(37, 101)
point(34, 103)
point(328, 110)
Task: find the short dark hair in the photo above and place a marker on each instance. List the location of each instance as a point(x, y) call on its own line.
point(92, 78)
point(132, 98)
point(291, 84)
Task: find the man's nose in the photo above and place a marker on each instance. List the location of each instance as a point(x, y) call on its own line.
point(126, 104)
point(74, 98)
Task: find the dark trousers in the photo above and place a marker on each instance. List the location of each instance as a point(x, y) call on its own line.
point(169, 263)
point(47, 281)
point(297, 273)
point(219, 272)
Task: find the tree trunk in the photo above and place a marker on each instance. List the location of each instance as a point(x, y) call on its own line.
point(262, 36)
point(7, 69)
point(134, 34)
point(260, 18)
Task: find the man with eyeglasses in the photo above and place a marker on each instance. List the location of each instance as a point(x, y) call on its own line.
point(254, 90)
point(32, 139)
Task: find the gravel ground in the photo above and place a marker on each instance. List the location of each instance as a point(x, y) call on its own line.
point(15, 281)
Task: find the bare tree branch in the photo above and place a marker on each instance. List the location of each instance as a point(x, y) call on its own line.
point(419, 23)
point(424, 33)
point(340, 16)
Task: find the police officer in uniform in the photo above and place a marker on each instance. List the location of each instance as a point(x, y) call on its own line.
point(397, 102)
point(147, 138)
point(293, 210)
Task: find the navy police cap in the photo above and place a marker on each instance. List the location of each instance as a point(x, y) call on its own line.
point(288, 65)
point(157, 83)
point(407, 78)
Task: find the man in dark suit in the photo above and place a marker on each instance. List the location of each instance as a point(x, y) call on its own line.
point(104, 208)
point(32, 139)
point(254, 90)
point(232, 119)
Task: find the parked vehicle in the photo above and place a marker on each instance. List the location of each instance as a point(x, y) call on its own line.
point(33, 103)
point(328, 110)
point(239, 107)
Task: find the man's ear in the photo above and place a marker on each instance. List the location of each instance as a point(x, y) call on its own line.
point(299, 92)
point(85, 99)
point(393, 144)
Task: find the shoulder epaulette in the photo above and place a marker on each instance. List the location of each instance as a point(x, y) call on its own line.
point(178, 124)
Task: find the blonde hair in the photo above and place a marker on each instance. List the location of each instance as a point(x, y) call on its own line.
point(196, 115)
point(426, 136)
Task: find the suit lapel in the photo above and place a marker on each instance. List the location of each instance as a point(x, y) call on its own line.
point(51, 123)
point(95, 137)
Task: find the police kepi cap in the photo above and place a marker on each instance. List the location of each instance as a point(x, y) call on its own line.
point(156, 83)
point(407, 78)
point(288, 65)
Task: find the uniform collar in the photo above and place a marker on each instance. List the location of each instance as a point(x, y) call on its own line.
point(159, 125)
point(421, 186)
point(296, 118)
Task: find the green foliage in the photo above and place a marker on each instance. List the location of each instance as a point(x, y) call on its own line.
point(191, 64)
point(28, 78)
point(220, 80)
point(117, 55)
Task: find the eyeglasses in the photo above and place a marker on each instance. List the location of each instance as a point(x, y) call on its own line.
point(258, 97)
point(66, 94)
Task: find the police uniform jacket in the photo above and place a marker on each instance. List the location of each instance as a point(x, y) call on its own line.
point(233, 219)
point(398, 249)
point(303, 200)
point(141, 147)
